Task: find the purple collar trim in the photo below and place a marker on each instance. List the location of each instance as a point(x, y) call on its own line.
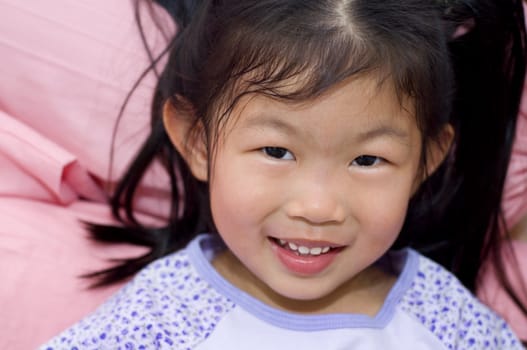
point(203, 248)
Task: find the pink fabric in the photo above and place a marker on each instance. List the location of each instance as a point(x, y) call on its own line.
point(492, 293)
point(43, 250)
point(515, 207)
point(66, 68)
point(515, 196)
point(35, 167)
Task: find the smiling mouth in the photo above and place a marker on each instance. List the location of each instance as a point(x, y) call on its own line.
point(302, 250)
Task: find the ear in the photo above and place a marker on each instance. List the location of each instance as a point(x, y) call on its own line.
point(439, 150)
point(436, 154)
point(188, 137)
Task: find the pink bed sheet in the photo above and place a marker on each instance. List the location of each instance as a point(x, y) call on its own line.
point(515, 196)
point(492, 293)
point(515, 207)
point(43, 250)
point(66, 68)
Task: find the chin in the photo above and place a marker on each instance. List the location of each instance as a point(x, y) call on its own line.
point(303, 294)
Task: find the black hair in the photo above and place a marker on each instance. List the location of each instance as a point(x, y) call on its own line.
point(471, 78)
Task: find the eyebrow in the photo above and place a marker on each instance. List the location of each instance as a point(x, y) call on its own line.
point(270, 122)
point(383, 130)
point(362, 136)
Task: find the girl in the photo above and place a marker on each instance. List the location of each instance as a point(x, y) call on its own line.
point(314, 140)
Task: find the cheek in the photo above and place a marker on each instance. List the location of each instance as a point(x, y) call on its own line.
point(382, 210)
point(239, 198)
point(239, 208)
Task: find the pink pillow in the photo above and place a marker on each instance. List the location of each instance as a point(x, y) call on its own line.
point(492, 293)
point(67, 67)
point(66, 70)
point(515, 196)
point(515, 206)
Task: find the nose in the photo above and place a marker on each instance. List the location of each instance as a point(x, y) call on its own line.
point(317, 204)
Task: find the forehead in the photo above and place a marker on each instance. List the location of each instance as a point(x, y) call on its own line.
point(359, 105)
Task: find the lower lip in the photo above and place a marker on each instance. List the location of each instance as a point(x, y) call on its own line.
point(305, 265)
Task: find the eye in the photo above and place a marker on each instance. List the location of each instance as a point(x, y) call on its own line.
point(366, 160)
point(278, 153)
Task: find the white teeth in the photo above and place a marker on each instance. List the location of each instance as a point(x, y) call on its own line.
point(301, 250)
point(316, 251)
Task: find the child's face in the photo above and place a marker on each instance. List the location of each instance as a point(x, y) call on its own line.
point(289, 182)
